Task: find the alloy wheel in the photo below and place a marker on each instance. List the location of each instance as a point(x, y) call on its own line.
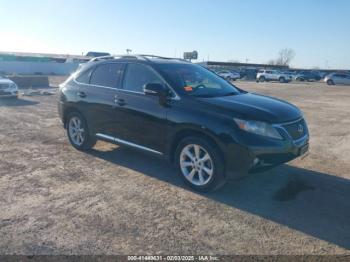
point(196, 165)
point(76, 131)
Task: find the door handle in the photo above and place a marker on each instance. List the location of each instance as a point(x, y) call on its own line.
point(81, 94)
point(121, 102)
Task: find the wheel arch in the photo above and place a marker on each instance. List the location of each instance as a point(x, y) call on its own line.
point(68, 111)
point(192, 132)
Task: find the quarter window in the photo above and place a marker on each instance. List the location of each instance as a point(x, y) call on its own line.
point(85, 77)
point(107, 75)
point(138, 75)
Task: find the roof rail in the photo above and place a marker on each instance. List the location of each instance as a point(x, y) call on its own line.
point(162, 57)
point(101, 58)
point(141, 56)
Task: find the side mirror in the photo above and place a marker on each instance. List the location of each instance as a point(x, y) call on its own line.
point(156, 89)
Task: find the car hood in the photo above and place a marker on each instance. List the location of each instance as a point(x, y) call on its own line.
point(254, 107)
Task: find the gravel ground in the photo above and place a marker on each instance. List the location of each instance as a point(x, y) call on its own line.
point(112, 200)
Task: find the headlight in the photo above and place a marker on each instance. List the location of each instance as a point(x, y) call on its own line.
point(13, 86)
point(259, 128)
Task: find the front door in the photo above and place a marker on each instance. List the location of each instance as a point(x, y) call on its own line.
point(143, 119)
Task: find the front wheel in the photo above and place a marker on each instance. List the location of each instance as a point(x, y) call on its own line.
point(200, 164)
point(282, 80)
point(262, 79)
point(78, 132)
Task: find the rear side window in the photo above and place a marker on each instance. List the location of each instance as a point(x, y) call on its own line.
point(138, 75)
point(107, 75)
point(85, 77)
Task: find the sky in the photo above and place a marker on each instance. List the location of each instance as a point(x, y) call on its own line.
point(220, 30)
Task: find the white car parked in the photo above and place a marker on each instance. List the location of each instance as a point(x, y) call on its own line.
point(273, 75)
point(337, 79)
point(8, 88)
point(229, 75)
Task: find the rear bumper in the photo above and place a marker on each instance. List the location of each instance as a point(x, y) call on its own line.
point(60, 106)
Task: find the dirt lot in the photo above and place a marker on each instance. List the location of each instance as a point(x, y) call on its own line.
point(112, 200)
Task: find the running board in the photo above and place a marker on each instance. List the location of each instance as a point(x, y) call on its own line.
point(123, 142)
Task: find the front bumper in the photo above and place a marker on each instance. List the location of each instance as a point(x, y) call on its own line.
point(8, 92)
point(256, 154)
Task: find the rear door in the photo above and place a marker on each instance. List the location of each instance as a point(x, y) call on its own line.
point(97, 98)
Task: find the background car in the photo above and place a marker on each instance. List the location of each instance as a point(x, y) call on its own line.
point(289, 73)
point(307, 76)
point(8, 88)
point(229, 75)
point(337, 79)
point(273, 75)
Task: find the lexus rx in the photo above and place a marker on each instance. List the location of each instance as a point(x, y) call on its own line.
point(210, 129)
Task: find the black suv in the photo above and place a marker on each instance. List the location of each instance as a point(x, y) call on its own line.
point(208, 127)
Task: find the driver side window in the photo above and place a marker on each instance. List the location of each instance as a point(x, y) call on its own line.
point(137, 75)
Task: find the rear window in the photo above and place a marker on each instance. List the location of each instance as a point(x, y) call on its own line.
point(107, 75)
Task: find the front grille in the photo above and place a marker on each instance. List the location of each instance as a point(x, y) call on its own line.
point(4, 86)
point(297, 129)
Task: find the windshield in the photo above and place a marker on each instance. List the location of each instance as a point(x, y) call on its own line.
point(194, 80)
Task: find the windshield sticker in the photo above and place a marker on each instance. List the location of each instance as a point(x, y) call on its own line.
point(188, 88)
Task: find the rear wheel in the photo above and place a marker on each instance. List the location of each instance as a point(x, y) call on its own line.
point(282, 80)
point(330, 82)
point(78, 132)
point(200, 164)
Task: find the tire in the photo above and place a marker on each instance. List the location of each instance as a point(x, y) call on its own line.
point(191, 169)
point(282, 80)
point(330, 82)
point(83, 140)
point(262, 79)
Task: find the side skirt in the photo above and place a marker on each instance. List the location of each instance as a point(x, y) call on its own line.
point(126, 143)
